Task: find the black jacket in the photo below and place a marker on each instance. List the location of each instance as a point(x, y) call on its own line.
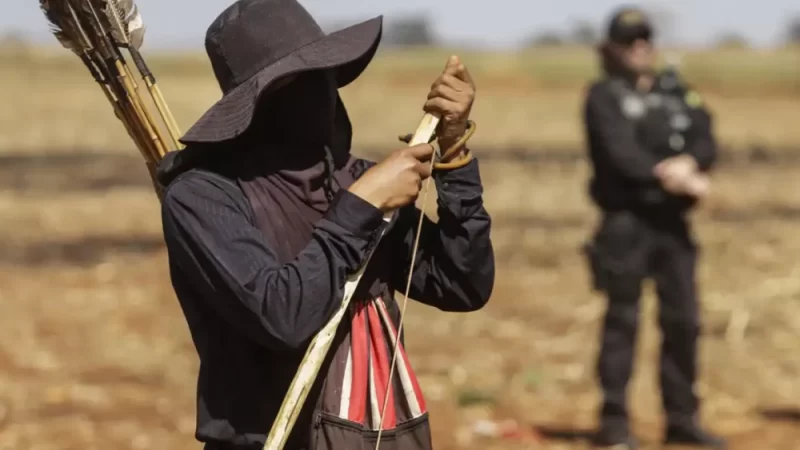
point(629, 133)
point(251, 317)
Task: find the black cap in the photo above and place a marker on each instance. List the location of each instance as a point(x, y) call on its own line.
point(629, 24)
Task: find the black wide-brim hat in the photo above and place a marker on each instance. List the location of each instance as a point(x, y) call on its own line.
point(254, 43)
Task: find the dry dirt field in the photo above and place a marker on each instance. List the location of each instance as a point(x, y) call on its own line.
point(95, 354)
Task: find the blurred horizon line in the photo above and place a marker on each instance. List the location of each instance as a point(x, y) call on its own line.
point(585, 32)
point(48, 42)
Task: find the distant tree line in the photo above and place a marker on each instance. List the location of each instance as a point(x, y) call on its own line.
point(793, 31)
point(410, 31)
point(418, 31)
point(415, 30)
point(582, 33)
point(585, 33)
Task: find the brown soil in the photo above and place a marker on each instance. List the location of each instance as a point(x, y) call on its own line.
point(95, 354)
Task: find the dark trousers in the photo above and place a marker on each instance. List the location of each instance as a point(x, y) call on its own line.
point(627, 249)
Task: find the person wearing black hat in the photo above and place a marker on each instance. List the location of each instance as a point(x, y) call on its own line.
point(651, 147)
point(266, 213)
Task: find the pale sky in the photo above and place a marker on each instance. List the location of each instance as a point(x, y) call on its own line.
point(492, 23)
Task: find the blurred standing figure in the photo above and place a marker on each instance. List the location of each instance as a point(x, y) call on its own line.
point(651, 146)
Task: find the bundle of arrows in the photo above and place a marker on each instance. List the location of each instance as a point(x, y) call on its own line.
point(100, 33)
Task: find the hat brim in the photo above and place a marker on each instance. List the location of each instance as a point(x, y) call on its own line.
point(349, 50)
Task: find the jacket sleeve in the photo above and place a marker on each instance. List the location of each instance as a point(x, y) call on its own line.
point(702, 145)
point(454, 268)
point(616, 136)
point(210, 238)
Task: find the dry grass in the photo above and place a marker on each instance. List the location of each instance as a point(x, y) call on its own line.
point(95, 354)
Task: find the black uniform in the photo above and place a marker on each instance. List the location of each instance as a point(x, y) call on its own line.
point(644, 233)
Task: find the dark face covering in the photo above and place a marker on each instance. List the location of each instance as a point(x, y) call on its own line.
point(300, 113)
point(296, 156)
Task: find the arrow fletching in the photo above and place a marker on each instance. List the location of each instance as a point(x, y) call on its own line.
point(59, 18)
point(123, 20)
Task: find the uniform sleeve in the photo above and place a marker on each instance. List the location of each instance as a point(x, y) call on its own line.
point(454, 268)
point(702, 145)
point(211, 240)
point(617, 136)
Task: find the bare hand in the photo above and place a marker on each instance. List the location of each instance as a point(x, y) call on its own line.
point(698, 186)
point(677, 173)
point(396, 181)
point(451, 98)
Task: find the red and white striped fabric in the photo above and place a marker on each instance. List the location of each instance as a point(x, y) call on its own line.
point(366, 373)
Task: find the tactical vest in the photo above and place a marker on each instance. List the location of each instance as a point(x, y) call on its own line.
point(663, 122)
point(662, 117)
